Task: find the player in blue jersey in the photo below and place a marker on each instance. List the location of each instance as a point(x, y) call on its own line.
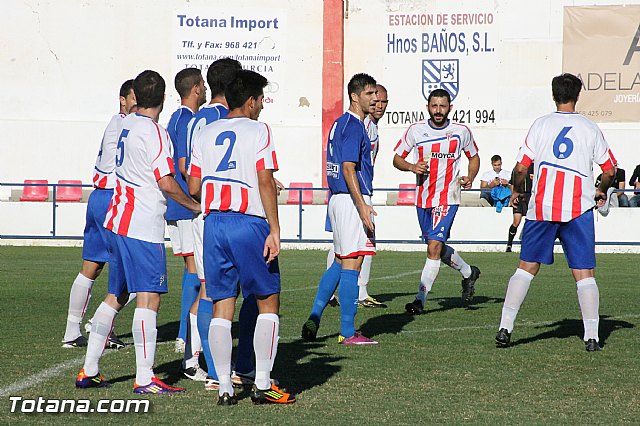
point(190, 86)
point(95, 251)
point(350, 179)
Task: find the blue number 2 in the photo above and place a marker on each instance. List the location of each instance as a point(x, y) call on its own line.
point(225, 164)
point(563, 146)
point(120, 147)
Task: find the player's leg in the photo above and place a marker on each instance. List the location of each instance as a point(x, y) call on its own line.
point(331, 257)
point(538, 238)
point(220, 339)
point(247, 318)
point(578, 242)
point(364, 299)
point(513, 229)
point(79, 297)
point(190, 366)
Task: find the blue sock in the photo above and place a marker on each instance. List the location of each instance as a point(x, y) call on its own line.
point(348, 294)
point(246, 326)
point(205, 312)
point(190, 290)
point(326, 288)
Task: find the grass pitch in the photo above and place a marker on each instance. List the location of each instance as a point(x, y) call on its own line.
point(440, 367)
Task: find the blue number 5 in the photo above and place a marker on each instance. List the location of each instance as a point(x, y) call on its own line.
point(563, 146)
point(120, 147)
point(225, 164)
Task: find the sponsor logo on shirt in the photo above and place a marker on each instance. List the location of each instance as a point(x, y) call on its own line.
point(443, 155)
point(333, 170)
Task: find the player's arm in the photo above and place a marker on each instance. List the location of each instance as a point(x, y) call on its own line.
point(364, 209)
point(401, 164)
point(472, 172)
point(170, 187)
point(194, 186)
point(182, 167)
point(519, 174)
point(268, 191)
point(605, 183)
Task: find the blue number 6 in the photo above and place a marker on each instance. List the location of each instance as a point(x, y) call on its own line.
point(120, 147)
point(563, 146)
point(225, 164)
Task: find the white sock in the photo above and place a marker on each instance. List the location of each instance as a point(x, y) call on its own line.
point(100, 329)
point(451, 258)
point(194, 345)
point(363, 278)
point(265, 345)
point(79, 297)
point(144, 338)
point(589, 299)
point(429, 275)
point(516, 292)
point(221, 347)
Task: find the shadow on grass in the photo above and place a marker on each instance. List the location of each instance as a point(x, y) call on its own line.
point(568, 328)
point(388, 297)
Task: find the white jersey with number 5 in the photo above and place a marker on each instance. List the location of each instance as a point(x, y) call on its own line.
point(103, 176)
point(227, 157)
point(563, 147)
point(143, 157)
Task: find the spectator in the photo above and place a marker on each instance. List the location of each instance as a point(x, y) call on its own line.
point(634, 181)
point(492, 179)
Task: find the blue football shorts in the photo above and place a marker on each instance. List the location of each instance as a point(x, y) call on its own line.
point(137, 266)
point(576, 236)
point(97, 239)
point(233, 256)
point(436, 222)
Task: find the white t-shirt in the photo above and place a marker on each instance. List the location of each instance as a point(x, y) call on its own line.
point(227, 155)
point(143, 157)
point(103, 176)
point(564, 147)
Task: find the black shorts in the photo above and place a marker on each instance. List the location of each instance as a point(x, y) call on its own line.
point(523, 205)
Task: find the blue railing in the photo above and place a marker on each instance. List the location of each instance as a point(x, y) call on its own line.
point(300, 238)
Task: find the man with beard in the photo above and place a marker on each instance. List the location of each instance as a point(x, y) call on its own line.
point(439, 145)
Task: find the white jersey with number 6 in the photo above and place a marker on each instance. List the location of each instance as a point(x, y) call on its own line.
point(227, 156)
point(564, 147)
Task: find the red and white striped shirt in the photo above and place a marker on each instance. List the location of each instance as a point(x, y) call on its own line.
point(372, 132)
point(143, 157)
point(442, 150)
point(227, 156)
point(564, 147)
point(103, 176)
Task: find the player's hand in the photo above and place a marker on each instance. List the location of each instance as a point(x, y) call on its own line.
point(420, 168)
point(515, 198)
point(366, 215)
point(196, 208)
point(271, 247)
point(504, 182)
point(279, 186)
point(600, 196)
point(465, 182)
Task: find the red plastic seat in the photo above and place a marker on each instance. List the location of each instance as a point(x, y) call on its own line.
point(294, 195)
point(407, 198)
point(69, 193)
point(35, 193)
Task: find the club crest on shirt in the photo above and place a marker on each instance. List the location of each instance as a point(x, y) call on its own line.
point(437, 214)
point(440, 74)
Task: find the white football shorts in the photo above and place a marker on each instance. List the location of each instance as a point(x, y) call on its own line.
point(350, 237)
point(181, 235)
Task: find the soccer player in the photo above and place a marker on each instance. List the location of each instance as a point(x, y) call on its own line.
point(520, 209)
point(350, 177)
point(232, 167)
point(564, 146)
point(439, 145)
point(97, 240)
point(138, 264)
point(371, 124)
point(219, 75)
point(190, 86)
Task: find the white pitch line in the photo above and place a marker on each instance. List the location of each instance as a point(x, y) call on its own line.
point(40, 377)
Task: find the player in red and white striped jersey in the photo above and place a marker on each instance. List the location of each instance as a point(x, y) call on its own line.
point(438, 145)
point(232, 165)
point(95, 248)
point(144, 171)
point(564, 146)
